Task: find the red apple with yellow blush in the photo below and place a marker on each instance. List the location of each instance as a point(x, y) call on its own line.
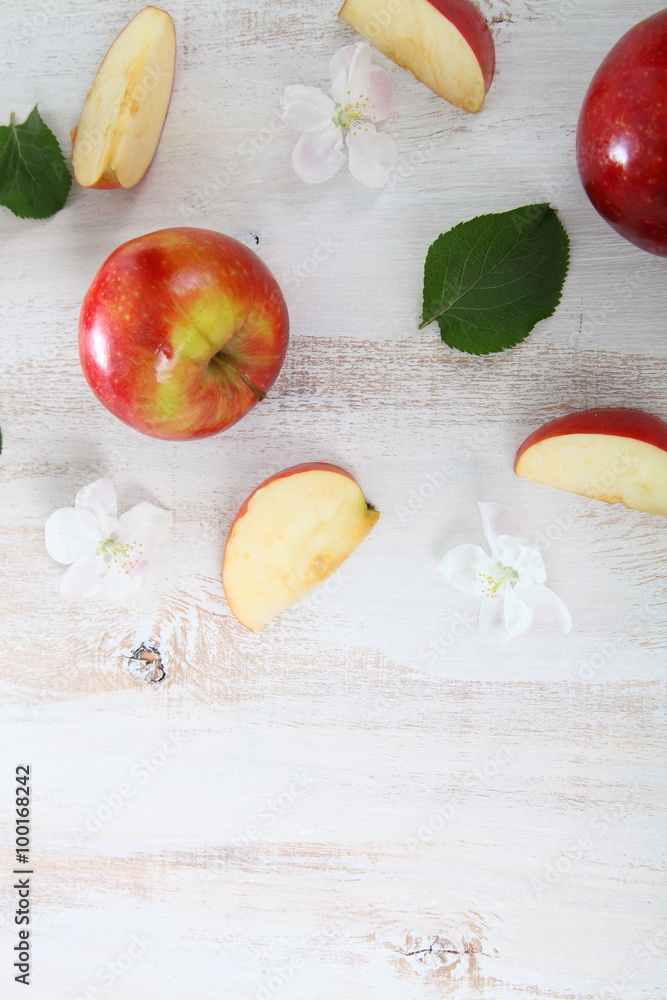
point(182, 332)
point(622, 136)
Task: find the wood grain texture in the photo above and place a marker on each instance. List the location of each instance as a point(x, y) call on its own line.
point(365, 800)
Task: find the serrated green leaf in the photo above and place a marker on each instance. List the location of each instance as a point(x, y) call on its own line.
point(487, 282)
point(34, 179)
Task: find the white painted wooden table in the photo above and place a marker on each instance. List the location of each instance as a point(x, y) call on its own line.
point(365, 801)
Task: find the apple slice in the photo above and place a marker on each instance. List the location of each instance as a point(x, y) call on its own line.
point(291, 533)
point(447, 44)
point(615, 455)
point(124, 113)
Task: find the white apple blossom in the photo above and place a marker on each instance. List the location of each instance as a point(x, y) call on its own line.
point(361, 94)
point(106, 554)
point(510, 581)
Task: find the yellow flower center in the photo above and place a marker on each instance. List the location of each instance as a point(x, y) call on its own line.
point(127, 557)
point(491, 584)
point(353, 114)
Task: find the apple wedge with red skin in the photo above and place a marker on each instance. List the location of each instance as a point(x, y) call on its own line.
point(182, 332)
point(125, 110)
point(622, 136)
point(446, 44)
point(291, 533)
point(615, 455)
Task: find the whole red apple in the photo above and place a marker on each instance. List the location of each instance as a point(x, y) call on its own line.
point(622, 136)
point(181, 332)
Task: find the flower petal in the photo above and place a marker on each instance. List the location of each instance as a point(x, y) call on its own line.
point(145, 524)
point(524, 558)
point(306, 108)
point(381, 94)
point(84, 578)
point(122, 586)
point(497, 521)
point(98, 497)
point(467, 568)
point(546, 605)
point(71, 533)
point(359, 74)
point(504, 616)
point(319, 155)
point(355, 80)
point(350, 71)
point(373, 156)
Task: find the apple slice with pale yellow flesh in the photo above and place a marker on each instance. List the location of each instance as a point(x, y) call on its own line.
point(291, 533)
point(615, 455)
point(447, 44)
point(124, 113)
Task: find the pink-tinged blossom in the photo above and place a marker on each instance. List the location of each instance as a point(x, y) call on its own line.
point(106, 555)
point(361, 95)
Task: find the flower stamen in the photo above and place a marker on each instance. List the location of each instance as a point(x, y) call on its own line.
point(344, 116)
point(490, 585)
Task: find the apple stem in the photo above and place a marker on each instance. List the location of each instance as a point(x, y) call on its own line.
point(256, 391)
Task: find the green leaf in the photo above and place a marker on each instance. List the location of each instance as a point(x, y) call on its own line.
point(487, 282)
point(34, 179)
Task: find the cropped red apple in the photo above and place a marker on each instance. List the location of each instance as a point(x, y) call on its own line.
point(615, 455)
point(622, 136)
point(181, 332)
point(447, 44)
point(291, 533)
point(125, 110)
